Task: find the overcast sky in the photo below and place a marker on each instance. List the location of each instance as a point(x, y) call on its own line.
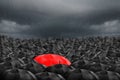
point(45, 18)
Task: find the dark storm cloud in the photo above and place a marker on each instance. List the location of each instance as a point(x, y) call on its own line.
point(59, 17)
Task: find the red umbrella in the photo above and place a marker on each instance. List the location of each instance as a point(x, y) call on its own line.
point(51, 59)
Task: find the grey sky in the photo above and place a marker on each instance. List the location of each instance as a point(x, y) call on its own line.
point(59, 17)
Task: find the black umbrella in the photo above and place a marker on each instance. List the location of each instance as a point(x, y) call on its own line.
point(82, 74)
point(49, 76)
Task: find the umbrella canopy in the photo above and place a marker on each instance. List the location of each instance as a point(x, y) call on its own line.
point(49, 76)
point(51, 59)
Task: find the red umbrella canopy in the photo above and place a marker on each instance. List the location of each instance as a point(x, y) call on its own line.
point(51, 59)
